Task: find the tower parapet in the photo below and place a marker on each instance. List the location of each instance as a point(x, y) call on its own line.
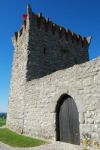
point(42, 22)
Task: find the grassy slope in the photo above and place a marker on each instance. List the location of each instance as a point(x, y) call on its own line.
point(16, 140)
point(2, 121)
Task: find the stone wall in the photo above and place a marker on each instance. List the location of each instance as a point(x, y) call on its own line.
point(81, 82)
point(18, 81)
point(32, 103)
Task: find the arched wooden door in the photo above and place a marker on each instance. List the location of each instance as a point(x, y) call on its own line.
point(68, 121)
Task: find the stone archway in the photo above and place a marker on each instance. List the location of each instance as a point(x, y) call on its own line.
point(67, 120)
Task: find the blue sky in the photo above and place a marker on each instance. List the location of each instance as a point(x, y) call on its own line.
point(80, 16)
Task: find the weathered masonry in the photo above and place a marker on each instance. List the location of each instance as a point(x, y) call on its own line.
point(54, 93)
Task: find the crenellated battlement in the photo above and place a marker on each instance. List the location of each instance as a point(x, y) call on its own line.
point(18, 34)
point(62, 32)
point(47, 25)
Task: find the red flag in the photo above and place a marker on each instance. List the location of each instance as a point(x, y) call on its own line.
point(24, 16)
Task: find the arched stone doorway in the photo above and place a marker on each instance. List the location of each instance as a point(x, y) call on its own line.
point(67, 120)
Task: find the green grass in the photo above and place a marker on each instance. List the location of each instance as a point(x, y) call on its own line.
point(2, 121)
point(13, 139)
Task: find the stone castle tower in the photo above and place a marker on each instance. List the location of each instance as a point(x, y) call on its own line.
point(44, 93)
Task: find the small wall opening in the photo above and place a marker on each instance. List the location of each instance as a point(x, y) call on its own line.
point(44, 50)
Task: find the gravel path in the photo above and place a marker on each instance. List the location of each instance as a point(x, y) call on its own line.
point(53, 146)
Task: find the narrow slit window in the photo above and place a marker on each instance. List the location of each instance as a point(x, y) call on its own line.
point(44, 50)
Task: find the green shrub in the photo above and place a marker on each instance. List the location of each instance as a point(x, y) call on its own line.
point(2, 121)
